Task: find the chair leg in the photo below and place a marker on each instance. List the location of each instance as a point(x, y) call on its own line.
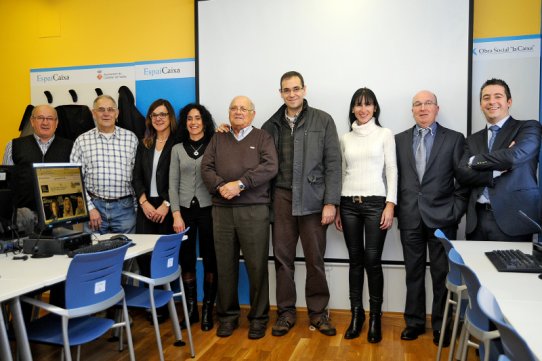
point(487, 350)
point(128, 331)
point(65, 340)
point(456, 325)
point(188, 329)
point(444, 321)
point(461, 340)
point(156, 326)
point(175, 322)
point(466, 341)
point(79, 353)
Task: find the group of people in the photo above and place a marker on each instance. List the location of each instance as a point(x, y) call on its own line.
point(296, 174)
point(67, 208)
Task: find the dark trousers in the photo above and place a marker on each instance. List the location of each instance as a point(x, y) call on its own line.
point(415, 244)
point(364, 253)
point(200, 221)
point(487, 228)
point(287, 229)
point(243, 228)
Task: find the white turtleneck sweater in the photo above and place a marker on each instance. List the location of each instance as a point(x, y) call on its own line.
point(369, 163)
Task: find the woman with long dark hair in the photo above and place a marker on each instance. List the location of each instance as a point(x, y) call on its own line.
point(368, 197)
point(151, 178)
point(191, 207)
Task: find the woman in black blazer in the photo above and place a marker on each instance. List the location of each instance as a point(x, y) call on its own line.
point(151, 178)
point(151, 170)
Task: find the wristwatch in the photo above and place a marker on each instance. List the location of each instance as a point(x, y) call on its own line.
point(167, 204)
point(242, 186)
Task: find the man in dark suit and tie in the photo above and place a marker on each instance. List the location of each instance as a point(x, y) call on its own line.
point(499, 165)
point(428, 156)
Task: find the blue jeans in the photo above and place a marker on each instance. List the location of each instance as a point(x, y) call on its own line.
point(117, 217)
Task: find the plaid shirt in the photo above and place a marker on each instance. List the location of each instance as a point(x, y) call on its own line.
point(108, 162)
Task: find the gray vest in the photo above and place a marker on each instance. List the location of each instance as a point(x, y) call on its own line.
point(191, 184)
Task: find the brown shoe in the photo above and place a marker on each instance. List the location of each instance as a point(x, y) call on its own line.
point(282, 326)
point(324, 325)
point(225, 329)
point(257, 329)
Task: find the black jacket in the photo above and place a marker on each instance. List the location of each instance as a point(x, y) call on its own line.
point(142, 174)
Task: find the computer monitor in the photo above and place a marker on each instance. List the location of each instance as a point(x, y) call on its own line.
point(60, 195)
point(7, 214)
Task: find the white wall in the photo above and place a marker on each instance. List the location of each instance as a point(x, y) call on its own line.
point(394, 47)
point(337, 277)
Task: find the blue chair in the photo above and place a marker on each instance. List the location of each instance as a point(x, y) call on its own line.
point(165, 269)
point(476, 322)
point(456, 287)
point(92, 285)
point(514, 346)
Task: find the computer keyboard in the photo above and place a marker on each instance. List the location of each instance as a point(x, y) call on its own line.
point(101, 246)
point(514, 261)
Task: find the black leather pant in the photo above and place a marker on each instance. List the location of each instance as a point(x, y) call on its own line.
point(365, 253)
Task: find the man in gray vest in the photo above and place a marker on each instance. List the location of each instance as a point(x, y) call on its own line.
point(41, 147)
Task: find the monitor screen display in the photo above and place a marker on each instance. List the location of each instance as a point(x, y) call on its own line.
point(60, 194)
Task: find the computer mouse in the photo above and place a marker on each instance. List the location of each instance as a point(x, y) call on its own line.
point(540, 276)
point(121, 237)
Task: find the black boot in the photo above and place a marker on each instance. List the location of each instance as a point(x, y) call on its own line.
point(209, 295)
point(358, 318)
point(375, 329)
point(190, 290)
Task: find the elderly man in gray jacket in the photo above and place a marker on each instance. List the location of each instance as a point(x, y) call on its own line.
point(306, 192)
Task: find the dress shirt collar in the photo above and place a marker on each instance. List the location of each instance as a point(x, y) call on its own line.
point(45, 144)
point(432, 129)
point(500, 123)
point(242, 133)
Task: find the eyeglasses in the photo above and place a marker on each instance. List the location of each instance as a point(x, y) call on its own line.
point(241, 109)
point(159, 115)
point(426, 104)
point(108, 110)
point(41, 118)
point(294, 90)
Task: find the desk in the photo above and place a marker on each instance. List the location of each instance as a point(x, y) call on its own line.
point(20, 277)
point(519, 294)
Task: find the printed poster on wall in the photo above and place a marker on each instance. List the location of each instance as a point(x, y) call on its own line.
point(173, 80)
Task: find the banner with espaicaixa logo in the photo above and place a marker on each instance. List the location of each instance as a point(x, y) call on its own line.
point(53, 85)
point(172, 79)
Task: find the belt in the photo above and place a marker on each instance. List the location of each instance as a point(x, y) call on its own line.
point(484, 206)
point(361, 199)
point(108, 200)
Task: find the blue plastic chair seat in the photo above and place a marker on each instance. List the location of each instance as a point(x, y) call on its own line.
point(139, 297)
point(92, 285)
point(48, 329)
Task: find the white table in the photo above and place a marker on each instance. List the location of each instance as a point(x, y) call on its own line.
point(519, 294)
point(19, 277)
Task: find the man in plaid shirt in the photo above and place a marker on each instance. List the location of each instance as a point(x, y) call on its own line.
point(107, 155)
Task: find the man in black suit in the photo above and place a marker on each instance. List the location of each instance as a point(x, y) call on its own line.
point(499, 164)
point(428, 156)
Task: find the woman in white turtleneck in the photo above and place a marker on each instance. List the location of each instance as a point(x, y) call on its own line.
point(368, 197)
